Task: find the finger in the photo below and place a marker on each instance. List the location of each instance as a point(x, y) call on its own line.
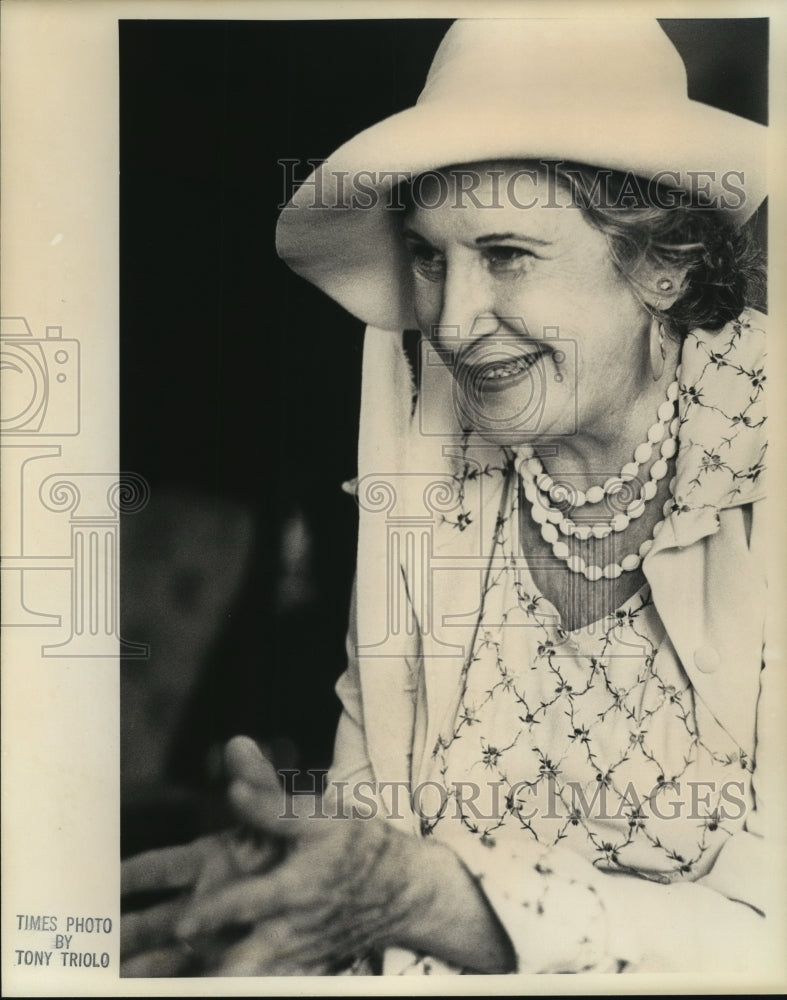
point(254, 852)
point(254, 955)
point(266, 810)
point(140, 931)
point(272, 950)
point(246, 762)
point(274, 967)
point(301, 968)
point(165, 868)
point(246, 901)
point(172, 961)
point(239, 852)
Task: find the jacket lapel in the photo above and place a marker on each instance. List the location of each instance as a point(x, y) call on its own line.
point(710, 599)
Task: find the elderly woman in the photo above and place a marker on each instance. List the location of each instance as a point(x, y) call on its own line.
point(556, 750)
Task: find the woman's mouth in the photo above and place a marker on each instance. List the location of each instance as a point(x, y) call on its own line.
point(498, 372)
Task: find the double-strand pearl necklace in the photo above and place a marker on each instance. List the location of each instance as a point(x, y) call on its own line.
point(541, 491)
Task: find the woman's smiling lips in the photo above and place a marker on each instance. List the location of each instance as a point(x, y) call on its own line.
point(495, 369)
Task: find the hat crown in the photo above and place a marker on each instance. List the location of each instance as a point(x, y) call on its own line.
point(551, 61)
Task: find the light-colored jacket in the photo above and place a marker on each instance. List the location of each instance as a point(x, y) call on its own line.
point(415, 610)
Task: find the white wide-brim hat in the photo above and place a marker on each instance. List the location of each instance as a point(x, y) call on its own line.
point(610, 93)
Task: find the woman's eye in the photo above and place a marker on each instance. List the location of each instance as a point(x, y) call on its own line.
point(427, 262)
point(502, 257)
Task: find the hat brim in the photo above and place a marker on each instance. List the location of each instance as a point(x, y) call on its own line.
point(338, 230)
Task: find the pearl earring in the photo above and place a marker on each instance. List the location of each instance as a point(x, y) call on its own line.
point(665, 285)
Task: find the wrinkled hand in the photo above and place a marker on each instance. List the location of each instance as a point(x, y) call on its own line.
point(150, 943)
point(342, 887)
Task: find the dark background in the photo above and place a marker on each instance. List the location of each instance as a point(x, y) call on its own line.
point(240, 382)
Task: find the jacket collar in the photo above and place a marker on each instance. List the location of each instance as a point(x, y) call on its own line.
point(706, 589)
point(722, 429)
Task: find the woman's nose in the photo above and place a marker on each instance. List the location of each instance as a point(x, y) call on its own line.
point(468, 308)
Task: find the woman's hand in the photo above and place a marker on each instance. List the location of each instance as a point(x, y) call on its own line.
point(150, 944)
point(301, 893)
point(343, 886)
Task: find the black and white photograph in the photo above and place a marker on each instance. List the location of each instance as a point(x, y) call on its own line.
point(391, 569)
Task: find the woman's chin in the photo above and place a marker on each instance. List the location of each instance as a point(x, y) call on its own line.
point(503, 422)
point(510, 437)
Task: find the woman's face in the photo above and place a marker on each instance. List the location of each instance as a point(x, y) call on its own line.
point(518, 294)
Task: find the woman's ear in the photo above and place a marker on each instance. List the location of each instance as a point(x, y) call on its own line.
point(660, 286)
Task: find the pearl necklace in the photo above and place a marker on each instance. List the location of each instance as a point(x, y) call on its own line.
point(540, 488)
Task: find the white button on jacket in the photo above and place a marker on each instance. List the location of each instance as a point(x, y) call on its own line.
point(706, 659)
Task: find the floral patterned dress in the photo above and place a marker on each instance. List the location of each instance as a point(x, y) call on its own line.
point(590, 743)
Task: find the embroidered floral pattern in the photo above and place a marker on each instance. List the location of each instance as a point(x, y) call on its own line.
point(592, 737)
